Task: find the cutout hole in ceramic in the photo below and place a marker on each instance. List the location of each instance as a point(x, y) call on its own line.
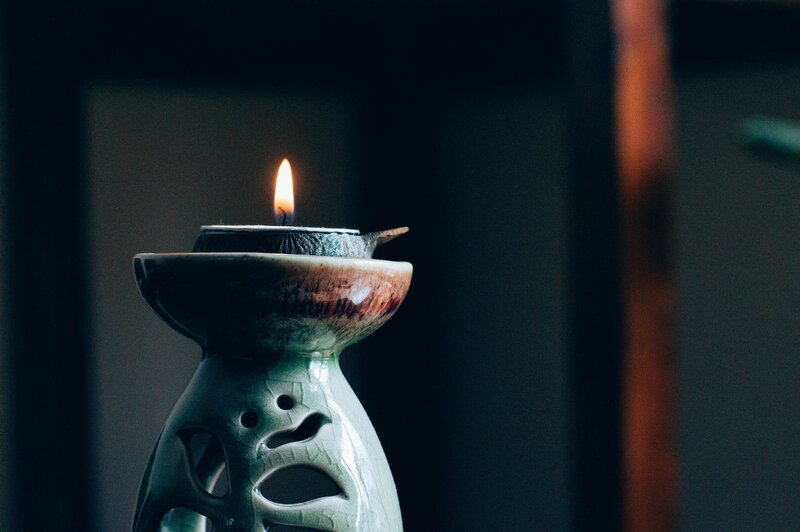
point(306, 430)
point(208, 462)
point(297, 484)
point(249, 419)
point(285, 402)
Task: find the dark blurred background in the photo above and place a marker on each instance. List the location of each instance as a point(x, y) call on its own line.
point(602, 331)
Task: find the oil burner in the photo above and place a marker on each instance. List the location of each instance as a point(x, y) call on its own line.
point(272, 309)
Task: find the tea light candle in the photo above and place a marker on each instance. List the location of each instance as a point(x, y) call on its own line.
point(297, 240)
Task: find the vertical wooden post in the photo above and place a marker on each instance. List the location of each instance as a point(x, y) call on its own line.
point(644, 128)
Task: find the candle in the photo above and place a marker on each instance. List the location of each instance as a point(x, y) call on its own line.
point(284, 238)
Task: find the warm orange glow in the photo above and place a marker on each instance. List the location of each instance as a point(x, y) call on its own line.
point(284, 195)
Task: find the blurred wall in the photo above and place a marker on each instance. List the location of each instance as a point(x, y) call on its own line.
point(503, 333)
point(738, 221)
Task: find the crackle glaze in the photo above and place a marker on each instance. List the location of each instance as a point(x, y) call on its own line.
point(272, 327)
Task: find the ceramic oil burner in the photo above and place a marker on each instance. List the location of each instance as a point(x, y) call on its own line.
point(268, 397)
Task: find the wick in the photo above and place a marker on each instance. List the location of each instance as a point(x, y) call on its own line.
point(283, 221)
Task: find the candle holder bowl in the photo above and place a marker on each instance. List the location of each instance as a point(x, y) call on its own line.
point(269, 396)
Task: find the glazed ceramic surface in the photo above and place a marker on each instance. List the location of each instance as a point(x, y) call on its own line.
point(269, 395)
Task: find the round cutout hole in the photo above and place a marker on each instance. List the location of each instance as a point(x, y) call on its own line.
point(285, 402)
point(249, 419)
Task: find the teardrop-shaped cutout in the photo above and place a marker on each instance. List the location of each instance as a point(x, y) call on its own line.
point(296, 484)
point(306, 430)
point(180, 519)
point(208, 461)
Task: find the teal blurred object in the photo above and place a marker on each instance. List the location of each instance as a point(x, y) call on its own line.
point(774, 138)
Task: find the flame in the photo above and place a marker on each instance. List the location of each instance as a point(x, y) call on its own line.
point(284, 195)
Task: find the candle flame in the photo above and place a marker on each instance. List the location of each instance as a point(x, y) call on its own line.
point(284, 195)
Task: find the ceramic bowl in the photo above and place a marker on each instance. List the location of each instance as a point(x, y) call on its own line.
point(251, 303)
